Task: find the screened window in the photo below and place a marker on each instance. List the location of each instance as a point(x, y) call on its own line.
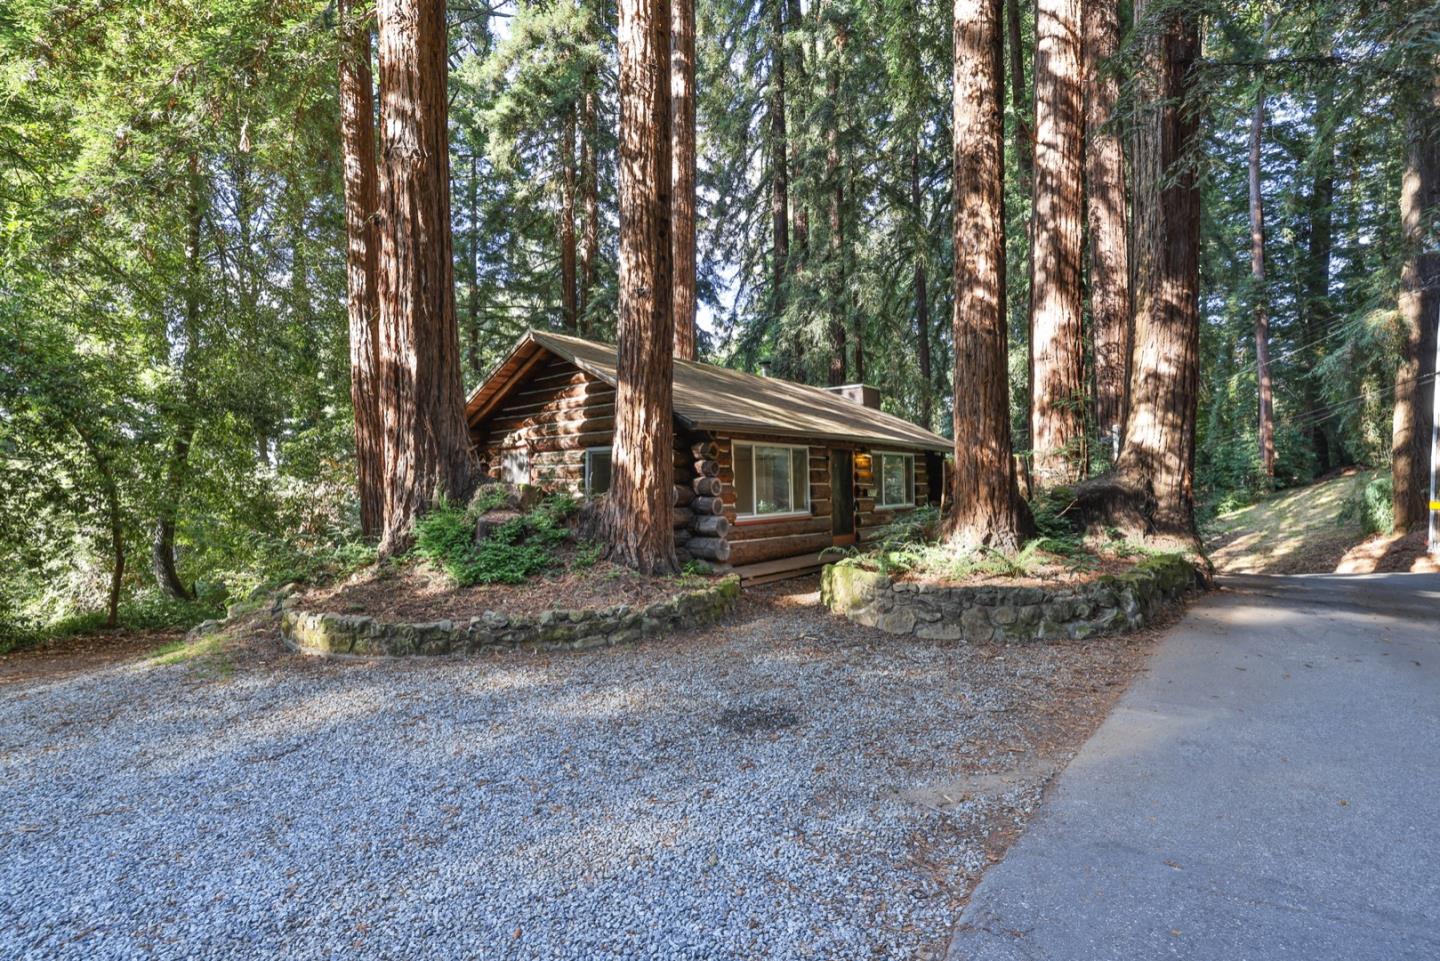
point(897, 480)
point(771, 479)
point(515, 467)
point(597, 470)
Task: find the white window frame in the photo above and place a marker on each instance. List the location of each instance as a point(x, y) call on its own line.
point(597, 450)
point(880, 456)
point(790, 449)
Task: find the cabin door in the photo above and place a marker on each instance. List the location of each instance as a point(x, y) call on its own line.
point(842, 496)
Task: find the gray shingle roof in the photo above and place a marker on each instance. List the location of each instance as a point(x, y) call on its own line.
point(719, 399)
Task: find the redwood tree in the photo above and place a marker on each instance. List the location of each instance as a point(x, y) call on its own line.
point(427, 446)
point(638, 531)
point(986, 508)
point(779, 162)
point(682, 198)
point(1419, 302)
point(362, 249)
point(1257, 276)
point(1157, 454)
point(1109, 239)
point(1057, 389)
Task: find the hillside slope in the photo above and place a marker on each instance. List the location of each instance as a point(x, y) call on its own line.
point(1301, 531)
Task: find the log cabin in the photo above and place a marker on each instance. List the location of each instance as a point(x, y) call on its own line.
point(768, 472)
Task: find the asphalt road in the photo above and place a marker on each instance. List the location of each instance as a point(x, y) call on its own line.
point(1269, 790)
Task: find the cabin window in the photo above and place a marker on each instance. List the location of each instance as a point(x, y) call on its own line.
point(515, 467)
point(597, 470)
point(771, 479)
point(897, 480)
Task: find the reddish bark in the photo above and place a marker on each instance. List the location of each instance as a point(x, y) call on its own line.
point(985, 506)
point(362, 250)
point(1057, 346)
point(1157, 455)
point(427, 446)
point(1108, 221)
point(638, 523)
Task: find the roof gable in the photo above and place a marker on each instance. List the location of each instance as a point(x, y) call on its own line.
point(719, 399)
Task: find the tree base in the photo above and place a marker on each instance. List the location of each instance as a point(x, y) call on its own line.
point(1110, 504)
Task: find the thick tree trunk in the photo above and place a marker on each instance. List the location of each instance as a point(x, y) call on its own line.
point(1257, 276)
point(1107, 217)
point(1024, 137)
point(569, 302)
point(1057, 345)
point(427, 446)
point(1157, 455)
point(682, 198)
point(589, 201)
point(362, 251)
point(985, 505)
point(922, 294)
point(779, 165)
point(1419, 303)
point(638, 522)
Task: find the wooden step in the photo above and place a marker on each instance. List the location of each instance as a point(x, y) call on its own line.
point(763, 572)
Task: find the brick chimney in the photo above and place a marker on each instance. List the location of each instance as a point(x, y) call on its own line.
point(862, 394)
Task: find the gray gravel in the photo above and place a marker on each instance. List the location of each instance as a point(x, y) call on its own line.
point(732, 795)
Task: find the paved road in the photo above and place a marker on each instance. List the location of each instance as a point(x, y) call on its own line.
point(1270, 790)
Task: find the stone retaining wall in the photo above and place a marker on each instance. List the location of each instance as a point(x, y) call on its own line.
point(326, 633)
point(1111, 603)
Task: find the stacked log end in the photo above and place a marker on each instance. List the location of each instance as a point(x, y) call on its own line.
point(705, 527)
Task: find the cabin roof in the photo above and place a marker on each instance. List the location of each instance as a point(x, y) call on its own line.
point(716, 398)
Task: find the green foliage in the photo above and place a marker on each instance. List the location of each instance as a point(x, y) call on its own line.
point(1372, 505)
point(511, 553)
point(587, 555)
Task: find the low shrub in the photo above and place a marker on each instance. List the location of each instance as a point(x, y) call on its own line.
point(1372, 506)
point(511, 553)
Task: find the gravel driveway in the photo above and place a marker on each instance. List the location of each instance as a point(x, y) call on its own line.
point(786, 785)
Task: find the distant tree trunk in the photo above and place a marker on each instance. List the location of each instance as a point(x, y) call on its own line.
point(177, 464)
point(779, 166)
point(1257, 275)
point(589, 201)
point(638, 531)
point(569, 305)
point(1315, 309)
point(985, 508)
point(427, 445)
point(835, 259)
point(1024, 137)
point(472, 275)
point(922, 295)
point(682, 198)
point(110, 490)
point(1419, 299)
point(1157, 455)
point(1057, 339)
point(799, 212)
point(1108, 222)
point(362, 250)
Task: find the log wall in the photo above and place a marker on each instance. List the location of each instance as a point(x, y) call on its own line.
point(559, 411)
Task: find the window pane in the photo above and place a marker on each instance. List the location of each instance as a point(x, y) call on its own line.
point(800, 472)
point(516, 466)
point(744, 480)
point(892, 479)
point(772, 480)
point(598, 481)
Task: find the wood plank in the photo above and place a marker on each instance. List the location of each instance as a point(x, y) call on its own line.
point(762, 572)
point(752, 530)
